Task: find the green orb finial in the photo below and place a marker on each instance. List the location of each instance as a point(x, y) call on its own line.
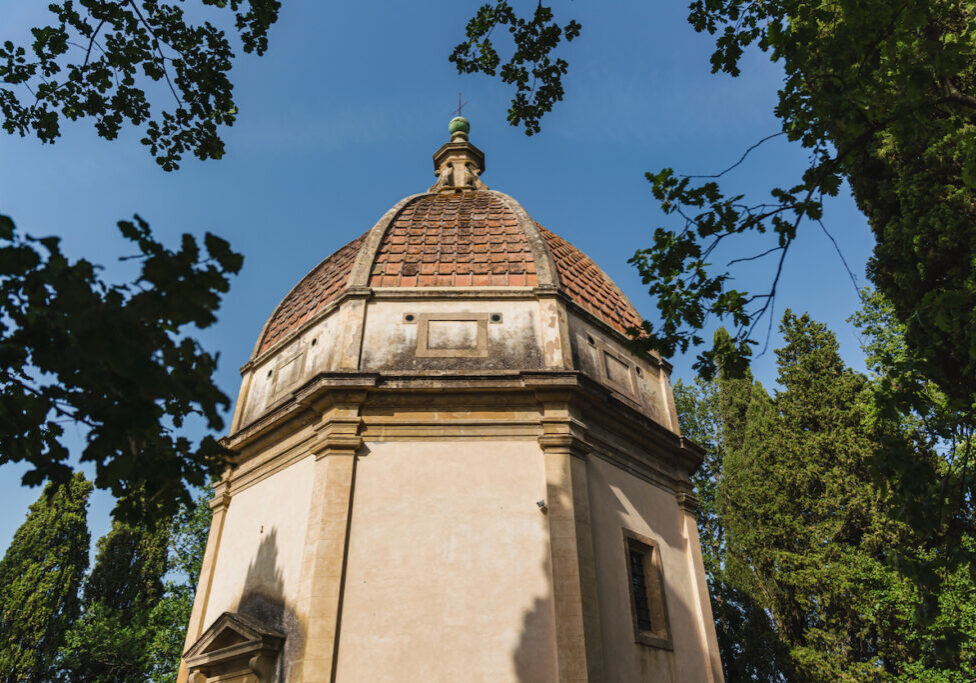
point(458, 123)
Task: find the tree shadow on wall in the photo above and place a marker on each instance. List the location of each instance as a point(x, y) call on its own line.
point(534, 658)
point(263, 598)
point(529, 656)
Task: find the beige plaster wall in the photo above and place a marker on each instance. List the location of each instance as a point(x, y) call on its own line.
point(447, 576)
point(260, 556)
point(602, 357)
point(618, 501)
point(390, 342)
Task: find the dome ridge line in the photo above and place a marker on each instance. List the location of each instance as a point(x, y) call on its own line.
point(545, 264)
point(359, 276)
point(259, 345)
point(610, 281)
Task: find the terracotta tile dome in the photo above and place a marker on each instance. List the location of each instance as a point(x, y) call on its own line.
point(467, 239)
point(470, 239)
point(312, 293)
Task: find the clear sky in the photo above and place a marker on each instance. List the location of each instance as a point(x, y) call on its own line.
point(339, 120)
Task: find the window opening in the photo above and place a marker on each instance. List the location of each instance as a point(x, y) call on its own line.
point(639, 590)
point(646, 578)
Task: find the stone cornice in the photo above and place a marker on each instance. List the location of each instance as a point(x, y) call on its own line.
point(563, 410)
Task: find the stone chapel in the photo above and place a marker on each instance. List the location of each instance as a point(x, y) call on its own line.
point(451, 467)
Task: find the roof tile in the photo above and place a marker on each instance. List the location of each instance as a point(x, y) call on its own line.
point(461, 240)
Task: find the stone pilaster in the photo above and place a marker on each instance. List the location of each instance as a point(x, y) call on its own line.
point(349, 338)
point(327, 538)
point(578, 639)
point(704, 621)
point(218, 504)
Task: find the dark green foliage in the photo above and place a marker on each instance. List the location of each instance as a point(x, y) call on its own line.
point(137, 601)
point(537, 77)
point(114, 359)
point(97, 59)
point(129, 567)
point(806, 528)
point(884, 97)
point(930, 472)
point(40, 576)
point(805, 553)
point(168, 621)
point(109, 642)
point(712, 414)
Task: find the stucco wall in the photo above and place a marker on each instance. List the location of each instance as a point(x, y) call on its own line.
point(258, 568)
point(310, 353)
point(447, 576)
point(602, 357)
point(619, 501)
point(390, 341)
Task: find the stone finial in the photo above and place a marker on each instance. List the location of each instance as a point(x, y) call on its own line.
point(458, 164)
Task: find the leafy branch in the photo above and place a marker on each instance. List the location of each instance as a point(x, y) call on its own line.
point(66, 80)
point(58, 317)
point(536, 75)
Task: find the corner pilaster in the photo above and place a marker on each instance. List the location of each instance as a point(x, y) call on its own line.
point(556, 349)
point(352, 321)
point(335, 447)
point(579, 648)
point(218, 505)
point(688, 504)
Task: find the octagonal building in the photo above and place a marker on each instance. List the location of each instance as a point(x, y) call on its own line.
point(451, 466)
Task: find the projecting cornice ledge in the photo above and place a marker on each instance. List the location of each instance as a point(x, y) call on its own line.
point(604, 412)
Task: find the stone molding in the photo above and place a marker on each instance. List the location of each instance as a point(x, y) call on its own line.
point(688, 503)
point(612, 431)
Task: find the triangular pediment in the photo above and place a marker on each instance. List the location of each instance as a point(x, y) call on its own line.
point(233, 632)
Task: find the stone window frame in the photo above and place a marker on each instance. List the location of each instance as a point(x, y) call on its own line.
point(660, 635)
point(481, 342)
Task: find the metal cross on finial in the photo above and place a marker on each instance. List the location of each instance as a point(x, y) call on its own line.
point(457, 112)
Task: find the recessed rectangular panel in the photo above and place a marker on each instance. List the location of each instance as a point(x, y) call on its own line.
point(617, 372)
point(452, 334)
point(289, 373)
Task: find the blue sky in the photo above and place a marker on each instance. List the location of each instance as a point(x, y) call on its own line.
point(339, 120)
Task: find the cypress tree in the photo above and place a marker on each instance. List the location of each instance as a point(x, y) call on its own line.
point(40, 575)
point(808, 532)
point(112, 639)
point(188, 542)
point(712, 413)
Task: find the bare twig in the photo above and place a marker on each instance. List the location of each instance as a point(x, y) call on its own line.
point(741, 159)
point(159, 50)
point(850, 273)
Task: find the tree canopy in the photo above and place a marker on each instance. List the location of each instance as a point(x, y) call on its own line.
point(119, 359)
point(113, 358)
point(41, 574)
point(111, 640)
point(123, 621)
point(111, 62)
point(883, 95)
point(798, 540)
